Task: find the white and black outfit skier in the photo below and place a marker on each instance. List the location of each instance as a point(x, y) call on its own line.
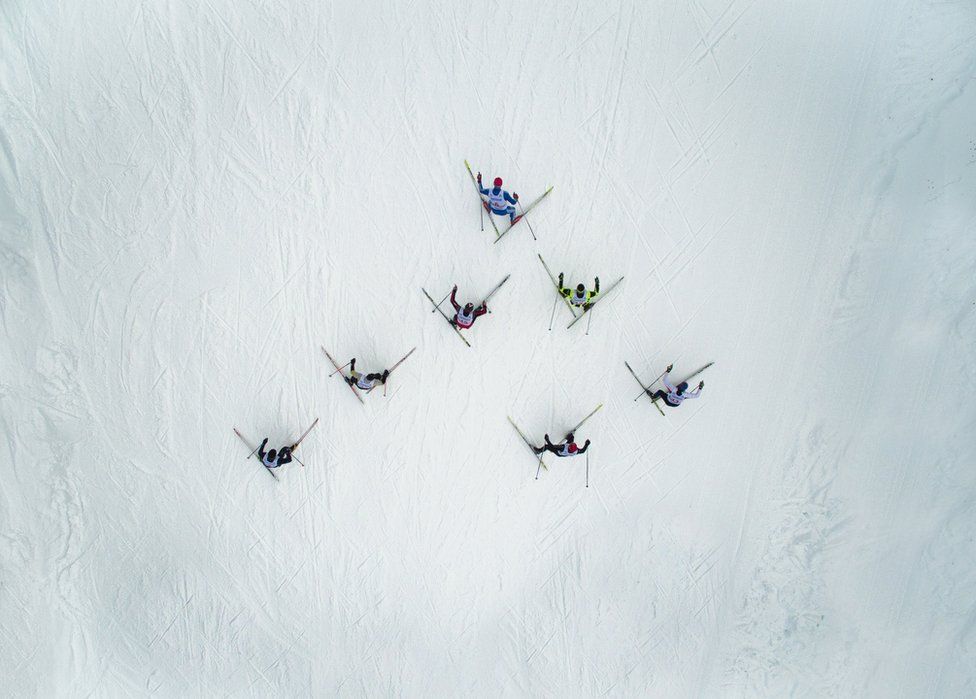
point(364, 382)
point(675, 395)
point(272, 458)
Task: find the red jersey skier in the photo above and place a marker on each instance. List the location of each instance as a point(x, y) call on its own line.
point(364, 382)
point(567, 448)
point(500, 202)
point(465, 317)
point(675, 395)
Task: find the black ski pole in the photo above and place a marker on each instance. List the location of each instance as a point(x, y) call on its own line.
point(527, 222)
point(553, 314)
point(587, 469)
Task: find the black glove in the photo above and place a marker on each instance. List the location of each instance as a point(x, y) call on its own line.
point(515, 196)
point(385, 374)
point(597, 285)
point(701, 385)
point(352, 364)
point(586, 444)
point(454, 288)
point(668, 370)
point(560, 279)
point(479, 178)
point(264, 443)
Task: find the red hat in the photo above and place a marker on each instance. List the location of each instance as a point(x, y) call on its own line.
point(498, 181)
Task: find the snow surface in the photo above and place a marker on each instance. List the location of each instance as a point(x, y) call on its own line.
point(196, 195)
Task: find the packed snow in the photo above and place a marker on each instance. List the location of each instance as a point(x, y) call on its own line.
point(196, 197)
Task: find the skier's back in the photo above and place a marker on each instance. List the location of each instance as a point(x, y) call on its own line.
point(466, 316)
point(500, 202)
point(675, 395)
point(272, 458)
point(567, 448)
point(364, 382)
point(579, 296)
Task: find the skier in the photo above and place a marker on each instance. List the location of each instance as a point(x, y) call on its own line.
point(465, 318)
point(567, 448)
point(499, 200)
point(580, 297)
point(271, 459)
point(364, 382)
point(675, 394)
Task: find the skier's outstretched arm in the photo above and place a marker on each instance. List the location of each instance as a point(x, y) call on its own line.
point(457, 306)
point(586, 446)
point(666, 381)
point(261, 451)
point(285, 457)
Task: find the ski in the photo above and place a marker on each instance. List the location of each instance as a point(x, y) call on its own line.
point(477, 189)
point(558, 290)
point(580, 423)
point(394, 367)
point(304, 434)
point(453, 326)
point(254, 450)
point(497, 287)
point(531, 446)
point(599, 298)
point(525, 212)
point(343, 376)
point(647, 389)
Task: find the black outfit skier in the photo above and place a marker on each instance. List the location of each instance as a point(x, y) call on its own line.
point(273, 459)
point(580, 297)
point(675, 395)
point(567, 448)
point(364, 382)
point(466, 316)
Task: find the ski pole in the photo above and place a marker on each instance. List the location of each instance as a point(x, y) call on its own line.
point(298, 460)
point(539, 467)
point(527, 222)
point(339, 369)
point(588, 321)
point(482, 202)
point(442, 301)
point(253, 452)
point(653, 382)
point(553, 314)
point(587, 469)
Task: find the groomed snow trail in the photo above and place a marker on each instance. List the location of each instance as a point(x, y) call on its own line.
point(194, 197)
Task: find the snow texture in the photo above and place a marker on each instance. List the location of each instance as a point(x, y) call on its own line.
point(194, 196)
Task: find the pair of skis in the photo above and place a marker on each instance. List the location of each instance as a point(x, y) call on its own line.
point(647, 389)
point(294, 448)
point(338, 370)
point(525, 210)
point(572, 309)
point(541, 455)
point(437, 307)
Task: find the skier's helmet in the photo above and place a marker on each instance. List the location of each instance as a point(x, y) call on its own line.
point(681, 387)
point(580, 288)
point(272, 454)
point(570, 437)
point(372, 377)
point(498, 181)
point(468, 307)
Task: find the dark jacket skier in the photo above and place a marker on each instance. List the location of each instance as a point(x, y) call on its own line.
point(465, 317)
point(273, 459)
point(567, 448)
point(364, 382)
point(580, 297)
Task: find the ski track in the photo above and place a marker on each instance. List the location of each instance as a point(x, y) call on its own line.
point(195, 196)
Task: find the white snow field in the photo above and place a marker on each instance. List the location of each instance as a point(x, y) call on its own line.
point(195, 196)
